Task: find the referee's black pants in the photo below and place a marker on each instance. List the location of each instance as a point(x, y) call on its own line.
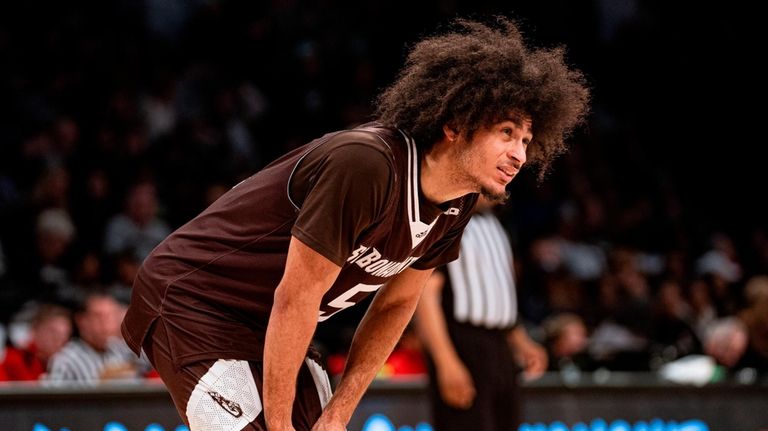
point(490, 361)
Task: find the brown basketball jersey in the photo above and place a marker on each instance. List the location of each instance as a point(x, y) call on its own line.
point(352, 196)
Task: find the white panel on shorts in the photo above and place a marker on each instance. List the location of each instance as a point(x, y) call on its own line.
point(322, 383)
point(225, 398)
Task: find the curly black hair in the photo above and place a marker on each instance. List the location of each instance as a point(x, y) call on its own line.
point(478, 75)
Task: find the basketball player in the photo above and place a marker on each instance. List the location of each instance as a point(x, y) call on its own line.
point(226, 306)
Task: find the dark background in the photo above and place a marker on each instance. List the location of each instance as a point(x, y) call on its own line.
point(674, 148)
point(677, 86)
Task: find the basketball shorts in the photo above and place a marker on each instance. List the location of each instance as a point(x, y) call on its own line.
point(225, 394)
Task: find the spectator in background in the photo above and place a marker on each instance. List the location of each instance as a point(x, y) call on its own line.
point(48, 274)
point(126, 266)
point(52, 188)
point(467, 319)
point(755, 319)
point(742, 341)
point(620, 339)
point(99, 353)
point(721, 268)
point(86, 272)
point(566, 342)
point(93, 203)
point(672, 332)
point(726, 341)
point(138, 228)
point(51, 329)
point(703, 310)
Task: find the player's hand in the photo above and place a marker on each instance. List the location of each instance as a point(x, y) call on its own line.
point(457, 388)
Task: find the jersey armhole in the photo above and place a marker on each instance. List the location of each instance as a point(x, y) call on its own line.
point(390, 199)
point(293, 171)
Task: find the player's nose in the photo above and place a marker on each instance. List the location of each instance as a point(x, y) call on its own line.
point(516, 152)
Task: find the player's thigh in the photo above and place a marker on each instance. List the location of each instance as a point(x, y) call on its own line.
point(225, 397)
point(228, 396)
point(210, 395)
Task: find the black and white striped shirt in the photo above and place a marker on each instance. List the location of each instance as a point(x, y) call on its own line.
point(482, 279)
point(79, 362)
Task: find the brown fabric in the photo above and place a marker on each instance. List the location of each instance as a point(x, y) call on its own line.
point(490, 362)
point(756, 320)
point(342, 188)
point(181, 381)
point(213, 280)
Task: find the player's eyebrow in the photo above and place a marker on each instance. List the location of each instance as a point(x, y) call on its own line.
point(518, 121)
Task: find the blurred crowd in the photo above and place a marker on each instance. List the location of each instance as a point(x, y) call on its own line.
point(122, 121)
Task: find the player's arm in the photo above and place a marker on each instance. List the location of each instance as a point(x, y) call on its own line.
point(453, 379)
point(376, 336)
point(308, 275)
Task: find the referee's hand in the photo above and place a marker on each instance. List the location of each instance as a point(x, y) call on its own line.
point(457, 388)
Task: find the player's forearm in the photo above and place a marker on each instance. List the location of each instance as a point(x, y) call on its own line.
point(292, 321)
point(374, 340)
point(376, 336)
point(289, 332)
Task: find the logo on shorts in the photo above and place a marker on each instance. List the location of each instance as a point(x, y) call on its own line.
point(231, 407)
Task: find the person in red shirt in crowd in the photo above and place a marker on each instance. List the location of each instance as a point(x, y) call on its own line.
point(51, 329)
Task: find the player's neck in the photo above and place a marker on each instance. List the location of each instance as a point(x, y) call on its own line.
point(439, 182)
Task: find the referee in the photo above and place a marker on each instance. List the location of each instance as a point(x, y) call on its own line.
point(467, 320)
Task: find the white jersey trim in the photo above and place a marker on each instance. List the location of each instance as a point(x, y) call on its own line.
point(322, 383)
point(419, 229)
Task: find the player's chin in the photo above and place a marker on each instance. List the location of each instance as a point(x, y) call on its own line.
point(496, 194)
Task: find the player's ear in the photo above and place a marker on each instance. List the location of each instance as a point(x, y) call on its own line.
point(450, 132)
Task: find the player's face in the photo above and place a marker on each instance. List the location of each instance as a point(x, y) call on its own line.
point(495, 155)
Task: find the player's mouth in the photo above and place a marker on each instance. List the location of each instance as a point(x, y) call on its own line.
point(507, 173)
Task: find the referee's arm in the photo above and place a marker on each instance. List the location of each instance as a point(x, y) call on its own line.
point(454, 381)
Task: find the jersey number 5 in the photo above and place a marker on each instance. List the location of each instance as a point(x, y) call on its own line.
point(343, 301)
